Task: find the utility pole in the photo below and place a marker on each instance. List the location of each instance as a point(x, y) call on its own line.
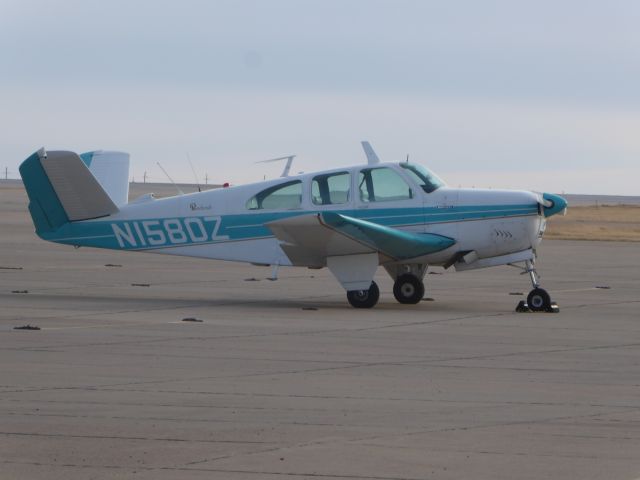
point(206, 179)
point(144, 177)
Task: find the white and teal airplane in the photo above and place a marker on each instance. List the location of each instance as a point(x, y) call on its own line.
point(351, 220)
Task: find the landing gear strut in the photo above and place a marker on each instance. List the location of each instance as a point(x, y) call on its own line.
point(364, 298)
point(538, 299)
point(408, 289)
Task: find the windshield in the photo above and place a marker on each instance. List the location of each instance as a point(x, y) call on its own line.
point(427, 180)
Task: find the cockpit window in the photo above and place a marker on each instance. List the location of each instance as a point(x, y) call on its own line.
point(382, 185)
point(331, 189)
point(285, 196)
point(429, 181)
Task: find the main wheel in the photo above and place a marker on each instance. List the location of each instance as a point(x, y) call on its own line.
point(538, 300)
point(408, 289)
point(364, 298)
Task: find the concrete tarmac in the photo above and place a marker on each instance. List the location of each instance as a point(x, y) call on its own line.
point(282, 379)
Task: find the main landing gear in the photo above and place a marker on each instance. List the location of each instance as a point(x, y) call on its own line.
point(408, 289)
point(364, 298)
point(538, 299)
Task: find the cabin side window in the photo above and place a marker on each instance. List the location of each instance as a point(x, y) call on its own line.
point(382, 185)
point(286, 196)
point(331, 189)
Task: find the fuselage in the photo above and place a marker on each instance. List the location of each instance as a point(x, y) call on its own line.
point(229, 223)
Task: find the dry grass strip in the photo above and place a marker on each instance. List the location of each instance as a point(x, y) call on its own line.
point(615, 222)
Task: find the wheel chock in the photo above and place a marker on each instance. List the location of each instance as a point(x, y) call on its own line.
point(553, 308)
point(522, 307)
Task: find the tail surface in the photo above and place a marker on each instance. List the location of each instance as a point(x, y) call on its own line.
point(61, 190)
point(111, 169)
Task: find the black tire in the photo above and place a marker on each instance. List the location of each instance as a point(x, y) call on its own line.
point(364, 298)
point(538, 300)
point(408, 289)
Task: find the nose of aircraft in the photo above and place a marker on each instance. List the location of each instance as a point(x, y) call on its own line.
point(553, 204)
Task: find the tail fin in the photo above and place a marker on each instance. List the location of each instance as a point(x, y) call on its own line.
point(61, 189)
point(111, 169)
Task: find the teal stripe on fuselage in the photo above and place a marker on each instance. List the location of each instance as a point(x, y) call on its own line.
point(155, 233)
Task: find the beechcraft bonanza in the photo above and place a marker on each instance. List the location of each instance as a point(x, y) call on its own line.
point(351, 220)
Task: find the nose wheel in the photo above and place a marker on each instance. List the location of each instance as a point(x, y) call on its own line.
point(408, 289)
point(538, 300)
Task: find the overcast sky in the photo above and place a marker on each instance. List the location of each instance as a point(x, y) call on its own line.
point(539, 95)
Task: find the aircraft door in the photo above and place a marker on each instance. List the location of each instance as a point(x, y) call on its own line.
point(383, 196)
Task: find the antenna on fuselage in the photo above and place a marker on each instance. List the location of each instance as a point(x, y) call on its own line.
point(194, 172)
point(287, 167)
point(170, 179)
point(372, 157)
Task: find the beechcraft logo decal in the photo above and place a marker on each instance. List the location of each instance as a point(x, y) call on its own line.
point(194, 207)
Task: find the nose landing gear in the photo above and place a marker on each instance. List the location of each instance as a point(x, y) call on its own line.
point(538, 299)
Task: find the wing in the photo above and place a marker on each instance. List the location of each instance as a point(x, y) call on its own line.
point(311, 239)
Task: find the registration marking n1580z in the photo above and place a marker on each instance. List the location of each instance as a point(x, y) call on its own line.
point(169, 231)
